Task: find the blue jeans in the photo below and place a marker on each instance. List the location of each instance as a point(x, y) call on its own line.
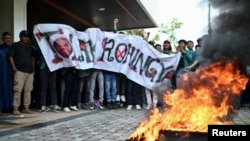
point(110, 86)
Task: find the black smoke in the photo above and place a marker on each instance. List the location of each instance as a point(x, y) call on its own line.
point(230, 37)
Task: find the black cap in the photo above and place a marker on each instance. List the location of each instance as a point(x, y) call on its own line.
point(24, 33)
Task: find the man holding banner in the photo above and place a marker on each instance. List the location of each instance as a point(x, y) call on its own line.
point(120, 53)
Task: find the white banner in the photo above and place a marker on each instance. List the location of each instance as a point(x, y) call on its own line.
point(63, 46)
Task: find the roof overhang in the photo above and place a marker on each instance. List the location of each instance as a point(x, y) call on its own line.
point(83, 14)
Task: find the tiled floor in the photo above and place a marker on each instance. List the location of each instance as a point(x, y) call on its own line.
point(96, 125)
point(243, 116)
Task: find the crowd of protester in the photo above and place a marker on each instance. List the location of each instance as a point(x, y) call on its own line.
point(27, 83)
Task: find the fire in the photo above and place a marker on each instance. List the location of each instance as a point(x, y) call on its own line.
point(205, 97)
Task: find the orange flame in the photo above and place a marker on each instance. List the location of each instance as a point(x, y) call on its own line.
point(204, 97)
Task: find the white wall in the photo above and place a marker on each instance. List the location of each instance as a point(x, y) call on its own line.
point(6, 12)
point(19, 17)
point(13, 15)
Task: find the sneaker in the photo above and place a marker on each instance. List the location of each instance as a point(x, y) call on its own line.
point(109, 105)
point(44, 109)
point(16, 112)
point(96, 104)
point(123, 99)
point(121, 104)
point(144, 106)
point(149, 106)
point(54, 108)
point(137, 107)
point(66, 109)
point(115, 106)
point(91, 105)
point(101, 106)
point(57, 107)
point(74, 108)
point(129, 107)
point(155, 105)
point(27, 111)
point(85, 106)
point(79, 105)
point(118, 98)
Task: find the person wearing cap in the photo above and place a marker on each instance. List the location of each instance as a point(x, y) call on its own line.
point(22, 60)
point(6, 89)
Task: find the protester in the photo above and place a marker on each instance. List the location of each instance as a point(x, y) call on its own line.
point(134, 92)
point(22, 59)
point(82, 99)
point(6, 88)
point(48, 81)
point(110, 83)
point(197, 61)
point(70, 94)
point(120, 79)
point(96, 76)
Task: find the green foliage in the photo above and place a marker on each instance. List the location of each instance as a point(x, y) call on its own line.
point(156, 37)
point(170, 30)
point(142, 33)
point(138, 32)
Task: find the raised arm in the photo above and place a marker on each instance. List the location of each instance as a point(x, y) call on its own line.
point(115, 25)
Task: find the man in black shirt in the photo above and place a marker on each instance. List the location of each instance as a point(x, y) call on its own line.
point(21, 56)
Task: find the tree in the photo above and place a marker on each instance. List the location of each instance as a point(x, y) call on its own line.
point(138, 32)
point(144, 34)
point(170, 30)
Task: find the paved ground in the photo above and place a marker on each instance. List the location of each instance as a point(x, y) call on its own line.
point(84, 125)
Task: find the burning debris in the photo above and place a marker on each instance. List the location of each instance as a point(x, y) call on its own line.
point(176, 136)
point(206, 97)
